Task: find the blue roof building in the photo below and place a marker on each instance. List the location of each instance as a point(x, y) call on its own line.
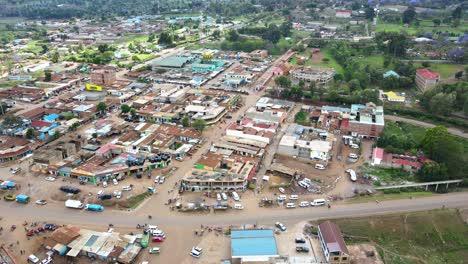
point(391, 73)
point(253, 245)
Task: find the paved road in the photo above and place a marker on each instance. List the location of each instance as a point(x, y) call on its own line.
point(261, 216)
point(452, 130)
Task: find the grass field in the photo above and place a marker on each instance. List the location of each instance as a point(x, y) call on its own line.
point(391, 196)
point(432, 237)
point(446, 70)
point(389, 175)
point(332, 63)
point(424, 25)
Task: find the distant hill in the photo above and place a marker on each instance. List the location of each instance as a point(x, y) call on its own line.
point(82, 8)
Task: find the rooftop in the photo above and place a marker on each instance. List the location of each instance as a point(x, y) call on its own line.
point(332, 237)
point(253, 243)
point(428, 74)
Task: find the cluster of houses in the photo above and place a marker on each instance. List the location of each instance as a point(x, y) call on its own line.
point(233, 160)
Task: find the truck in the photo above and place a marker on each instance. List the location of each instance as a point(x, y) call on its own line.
point(22, 198)
point(94, 207)
point(74, 204)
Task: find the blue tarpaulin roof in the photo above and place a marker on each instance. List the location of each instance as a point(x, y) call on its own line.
point(253, 243)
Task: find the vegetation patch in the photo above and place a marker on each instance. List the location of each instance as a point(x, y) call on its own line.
point(438, 236)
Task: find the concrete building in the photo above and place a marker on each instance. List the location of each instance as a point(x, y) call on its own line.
point(253, 246)
point(314, 149)
point(105, 76)
point(332, 243)
point(425, 79)
point(319, 75)
point(366, 121)
point(343, 14)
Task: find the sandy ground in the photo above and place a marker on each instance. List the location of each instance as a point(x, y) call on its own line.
point(359, 254)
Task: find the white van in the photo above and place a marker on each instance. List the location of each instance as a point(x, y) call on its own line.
point(353, 156)
point(290, 205)
point(304, 204)
point(319, 167)
point(293, 197)
point(152, 227)
point(352, 174)
point(235, 196)
point(281, 197)
point(318, 202)
point(238, 206)
point(33, 259)
point(304, 184)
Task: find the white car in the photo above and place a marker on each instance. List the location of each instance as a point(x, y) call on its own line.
point(117, 194)
point(224, 196)
point(293, 197)
point(15, 170)
point(51, 179)
point(179, 158)
point(41, 202)
point(304, 204)
point(281, 190)
point(235, 196)
point(218, 197)
point(154, 250)
point(162, 180)
point(290, 205)
point(353, 156)
point(156, 180)
point(104, 184)
point(319, 167)
point(354, 146)
point(127, 188)
point(238, 206)
point(115, 182)
point(100, 192)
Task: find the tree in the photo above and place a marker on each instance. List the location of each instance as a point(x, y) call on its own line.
point(47, 76)
point(45, 48)
point(166, 38)
point(136, 59)
point(125, 108)
point(101, 107)
point(285, 29)
point(103, 48)
point(283, 81)
point(186, 121)
point(442, 103)
point(273, 34)
point(370, 13)
point(457, 12)
point(442, 147)
point(433, 171)
point(74, 126)
point(233, 35)
point(436, 22)
point(216, 34)
point(29, 133)
point(409, 15)
point(459, 75)
point(12, 121)
point(133, 112)
point(151, 37)
point(457, 55)
point(55, 57)
point(199, 124)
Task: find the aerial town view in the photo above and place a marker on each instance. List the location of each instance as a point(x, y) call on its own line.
point(234, 131)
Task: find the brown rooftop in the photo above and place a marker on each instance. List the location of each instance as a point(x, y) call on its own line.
point(332, 237)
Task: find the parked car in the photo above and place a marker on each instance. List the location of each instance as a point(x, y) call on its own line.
point(41, 202)
point(117, 194)
point(354, 146)
point(318, 202)
point(9, 197)
point(235, 196)
point(353, 156)
point(157, 239)
point(51, 179)
point(156, 180)
point(105, 197)
point(33, 259)
point(162, 180)
point(196, 252)
point(293, 197)
point(304, 204)
point(127, 188)
point(280, 226)
point(179, 158)
point(299, 240)
point(319, 167)
point(238, 206)
point(70, 189)
point(302, 249)
point(281, 190)
point(15, 170)
point(115, 182)
point(224, 196)
point(104, 184)
point(218, 197)
point(100, 192)
point(158, 233)
point(290, 205)
point(154, 250)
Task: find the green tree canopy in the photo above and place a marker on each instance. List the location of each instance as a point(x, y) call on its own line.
point(199, 124)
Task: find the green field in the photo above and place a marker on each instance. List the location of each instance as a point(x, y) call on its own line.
point(432, 237)
point(424, 26)
point(446, 70)
point(391, 196)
